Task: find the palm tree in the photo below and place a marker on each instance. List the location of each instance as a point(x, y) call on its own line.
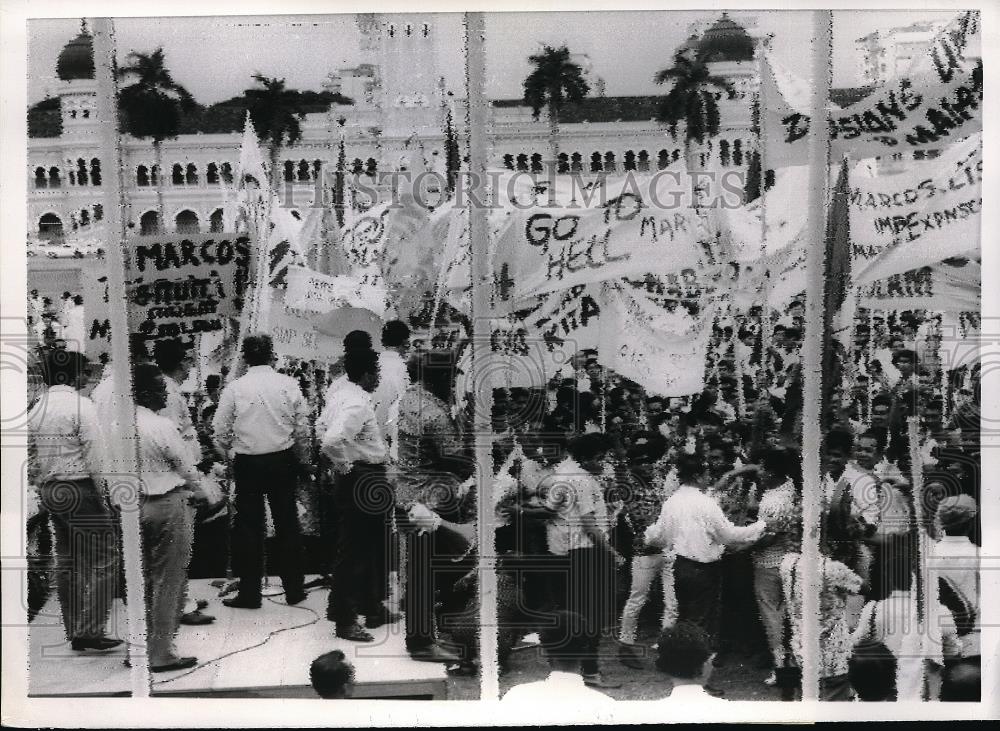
point(554, 81)
point(151, 107)
point(691, 100)
point(277, 114)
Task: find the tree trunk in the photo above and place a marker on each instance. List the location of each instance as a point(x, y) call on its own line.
point(158, 153)
point(272, 153)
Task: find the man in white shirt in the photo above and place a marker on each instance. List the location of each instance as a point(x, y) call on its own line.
point(74, 331)
point(954, 569)
point(693, 526)
point(363, 498)
point(65, 440)
point(393, 380)
point(175, 363)
point(684, 653)
point(579, 531)
point(169, 481)
point(564, 640)
point(262, 418)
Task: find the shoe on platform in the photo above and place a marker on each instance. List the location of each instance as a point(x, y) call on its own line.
point(597, 680)
point(196, 617)
point(715, 691)
point(384, 617)
point(629, 656)
point(178, 663)
point(771, 679)
point(94, 644)
point(242, 602)
point(354, 633)
point(295, 597)
point(433, 653)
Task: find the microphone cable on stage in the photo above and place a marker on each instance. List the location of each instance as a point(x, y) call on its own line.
point(263, 642)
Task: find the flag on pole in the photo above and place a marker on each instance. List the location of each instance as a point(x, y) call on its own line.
point(837, 282)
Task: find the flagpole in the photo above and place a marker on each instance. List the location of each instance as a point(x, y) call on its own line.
point(123, 442)
point(475, 66)
point(812, 356)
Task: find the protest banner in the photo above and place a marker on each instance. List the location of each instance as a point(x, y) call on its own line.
point(178, 286)
point(936, 102)
point(636, 232)
point(636, 343)
point(295, 332)
point(951, 286)
point(315, 292)
point(918, 217)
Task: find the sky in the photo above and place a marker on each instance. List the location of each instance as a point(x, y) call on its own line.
point(215, 57)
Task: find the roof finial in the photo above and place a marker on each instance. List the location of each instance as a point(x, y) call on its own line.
point(83, 27)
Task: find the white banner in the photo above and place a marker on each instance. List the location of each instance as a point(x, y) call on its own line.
point(315, 292)
point(937, 101)
point(951, 286)
point(636, 344)
point(919, 217)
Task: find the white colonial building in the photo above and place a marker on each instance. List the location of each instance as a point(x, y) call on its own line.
point(400, 110)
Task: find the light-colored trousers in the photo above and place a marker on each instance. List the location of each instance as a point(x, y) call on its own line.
point(644, 571)
point(771, 604)
point(167, 535)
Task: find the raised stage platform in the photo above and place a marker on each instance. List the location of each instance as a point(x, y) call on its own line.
point(262, 653)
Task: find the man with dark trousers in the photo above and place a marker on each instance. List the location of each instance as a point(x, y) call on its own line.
point(262, 418)
point(364, 501)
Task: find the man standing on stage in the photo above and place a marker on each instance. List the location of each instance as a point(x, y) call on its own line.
point(364, 501)
point(393, 380)
point(263, 418)
point(175, 363)
point(65, 436)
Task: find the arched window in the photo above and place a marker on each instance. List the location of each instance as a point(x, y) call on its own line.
point(737, 152)
point(371, 167)
point(303, 171)
point(95, 171)
point(317, 169)
point(212, 173)
point(72, 177)
point(186, 222)
point(215, 222)
point(663, 159)
point(149, 223)
point(643, 162)
point(72, 114)
point(86, 115)
point(629, 163)
point(357, 166)
point(50, 226)
point(41, 179)
point(191, 178)
point(609, 162)
point(177, 175)
point(522, 162)
point(154, 175)
point(724, 153)
point(98, 211)
point(508, 161)
point(563, 164)
point(595, 163)
point(55, 180)
point(536, 163)
point(425, 29)
point(289, 171)
point(142, 176)
point(81, 172)
point(576, 162)
point(392, 30)
point(84, 217)
point(73, 222)
point(227, 173)
point(675, 155)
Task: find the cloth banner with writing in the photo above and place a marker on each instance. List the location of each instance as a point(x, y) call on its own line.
point(295, 332)
point(951, 286)
point(918, 217)
point(635, 344)
point(315, 292)
point(935, 102)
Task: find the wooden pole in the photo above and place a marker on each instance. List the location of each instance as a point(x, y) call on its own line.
point(921, 539)
point(812, 356)
point(123, 444)
point(475, 66)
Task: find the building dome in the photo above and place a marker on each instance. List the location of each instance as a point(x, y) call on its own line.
point(726, 40)
point(76, 60)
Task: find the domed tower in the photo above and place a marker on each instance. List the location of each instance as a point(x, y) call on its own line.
point(78, 89)
point(728, 50)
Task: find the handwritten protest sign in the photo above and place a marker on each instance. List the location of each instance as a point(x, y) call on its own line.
point(295, 334)
point(921, 216)
point(315, 292)
point(636, 343)
point(937, 101)
point(178, 286)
